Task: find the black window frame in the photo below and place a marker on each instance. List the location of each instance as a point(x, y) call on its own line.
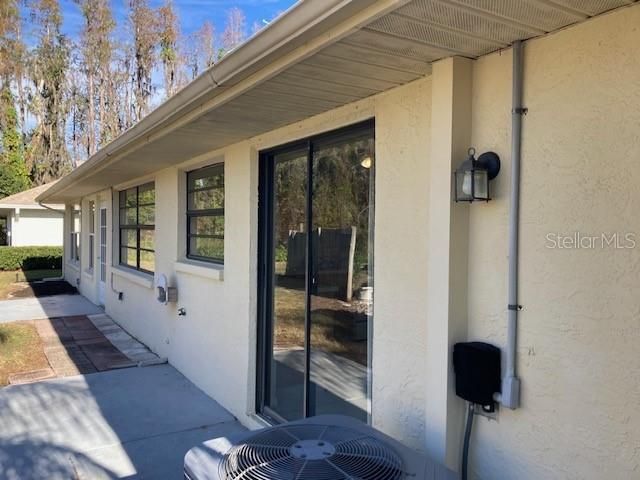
point(265, 245)
point(216, 169)
point(122, 205)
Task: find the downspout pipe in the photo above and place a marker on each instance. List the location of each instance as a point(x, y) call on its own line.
point(510, 395)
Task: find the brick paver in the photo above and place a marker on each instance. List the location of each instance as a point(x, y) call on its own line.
point(73, 346)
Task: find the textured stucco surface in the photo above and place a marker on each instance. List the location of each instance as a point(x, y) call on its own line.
point(577, 354)
point(403, 138)
point(214, 345)
point(580, 327)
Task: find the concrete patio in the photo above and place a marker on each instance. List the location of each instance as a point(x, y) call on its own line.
point(77, 337)
point(136, 423)
point(46, 307)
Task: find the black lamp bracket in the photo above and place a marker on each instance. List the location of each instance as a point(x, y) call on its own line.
point(491, 162)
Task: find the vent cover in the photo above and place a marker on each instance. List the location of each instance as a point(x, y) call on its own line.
point(312, 452)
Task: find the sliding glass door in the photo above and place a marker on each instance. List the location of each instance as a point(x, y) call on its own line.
point(316, 278)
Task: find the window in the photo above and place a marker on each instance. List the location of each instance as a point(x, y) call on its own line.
point(137, 227)
point(92, 232)
point(205, 214)
point(75, 236)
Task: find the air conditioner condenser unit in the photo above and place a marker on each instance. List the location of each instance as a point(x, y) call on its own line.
point(327, 447)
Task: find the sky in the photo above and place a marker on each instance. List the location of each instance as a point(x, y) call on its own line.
point(192, 13)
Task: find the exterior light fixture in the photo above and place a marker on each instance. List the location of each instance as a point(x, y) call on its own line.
point(473, 176)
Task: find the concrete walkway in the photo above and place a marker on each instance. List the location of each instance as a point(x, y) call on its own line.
point(136, 423)
point(135, 351)
point(46, 307)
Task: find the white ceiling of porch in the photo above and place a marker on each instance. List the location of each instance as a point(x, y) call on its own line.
point(390, 51)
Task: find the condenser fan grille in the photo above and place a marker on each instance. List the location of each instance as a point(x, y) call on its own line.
point(304, 452)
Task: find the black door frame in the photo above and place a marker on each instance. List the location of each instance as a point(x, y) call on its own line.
point(265, 261)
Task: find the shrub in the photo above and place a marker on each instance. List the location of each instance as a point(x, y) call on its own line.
point(30, 258)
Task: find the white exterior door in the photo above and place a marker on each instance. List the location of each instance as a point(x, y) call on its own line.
point(102, 258)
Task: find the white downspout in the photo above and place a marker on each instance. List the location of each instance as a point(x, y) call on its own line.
point(510, 396)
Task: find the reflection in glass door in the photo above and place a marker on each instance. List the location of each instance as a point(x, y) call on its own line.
point(317, 289)
point(288, 288)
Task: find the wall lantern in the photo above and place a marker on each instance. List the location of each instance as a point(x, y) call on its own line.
point(473, 176)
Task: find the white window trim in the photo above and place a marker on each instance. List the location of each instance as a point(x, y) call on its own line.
point(142, 279)
point(75, 247)
point(91, 245)
point(208, 270)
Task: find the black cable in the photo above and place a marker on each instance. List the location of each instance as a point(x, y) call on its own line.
point(467, 437)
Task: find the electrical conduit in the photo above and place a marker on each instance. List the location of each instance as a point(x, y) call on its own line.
point(510, 395)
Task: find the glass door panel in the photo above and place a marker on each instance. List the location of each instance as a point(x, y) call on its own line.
point(316, 263)
point(288, 267)
point(342, 276)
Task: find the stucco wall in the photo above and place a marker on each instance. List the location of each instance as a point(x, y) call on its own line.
point(215, 343)
point(403, 129)
point(580, 328)
point(35, 227)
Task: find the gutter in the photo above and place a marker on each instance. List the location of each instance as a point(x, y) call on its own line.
point(292, 29)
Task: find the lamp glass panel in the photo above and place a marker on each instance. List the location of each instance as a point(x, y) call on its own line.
point(481, 184)
point(463, 186)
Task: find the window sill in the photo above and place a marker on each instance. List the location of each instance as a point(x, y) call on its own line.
point(200, 269)
point(88, 272)
point(139, 278)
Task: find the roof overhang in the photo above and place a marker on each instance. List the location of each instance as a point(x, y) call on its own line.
point(9, 206)
point(315, 57)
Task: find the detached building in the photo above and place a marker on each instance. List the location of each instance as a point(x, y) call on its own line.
point(300, 198)
point(24, 222)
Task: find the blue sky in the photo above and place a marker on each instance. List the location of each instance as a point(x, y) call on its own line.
point(192, 13)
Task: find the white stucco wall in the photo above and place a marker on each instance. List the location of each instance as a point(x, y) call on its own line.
point(580, 328)
point(215, 343)
point(35, 227)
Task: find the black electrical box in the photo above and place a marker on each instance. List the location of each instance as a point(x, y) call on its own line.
point(477, 369)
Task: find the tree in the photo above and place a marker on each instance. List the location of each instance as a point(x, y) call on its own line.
point(256, 27)
point(169, 34)
point(9, 37)
point(144, 26)
point(235, 31)
point(12, 52)
point(200, 50)
point(207, 41)
point(14, 176)
point(117, 106)
point(47, 155)
point(66, 99)
point(96, 52)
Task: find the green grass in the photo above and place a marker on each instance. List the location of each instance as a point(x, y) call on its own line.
point(20, 350)
point(331, 330)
